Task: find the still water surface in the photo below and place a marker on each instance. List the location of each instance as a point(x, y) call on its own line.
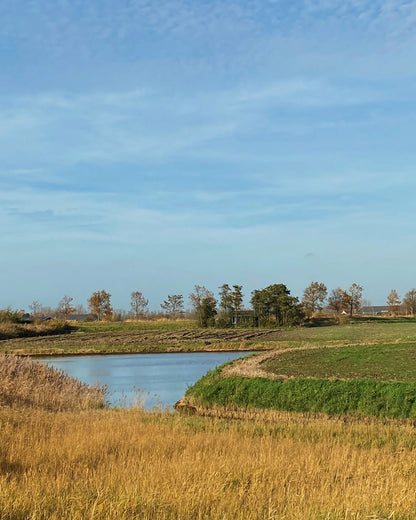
point(161, 379)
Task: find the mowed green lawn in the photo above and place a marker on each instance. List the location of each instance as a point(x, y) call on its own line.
point(394, 362)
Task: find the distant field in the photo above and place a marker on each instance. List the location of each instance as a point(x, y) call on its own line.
point(360, 331)
point(183, 335)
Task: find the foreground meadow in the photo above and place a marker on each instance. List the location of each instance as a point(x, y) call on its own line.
point(65, 455)
point(130, 464)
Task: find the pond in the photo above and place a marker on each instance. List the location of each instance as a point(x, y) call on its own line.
point(150, 379)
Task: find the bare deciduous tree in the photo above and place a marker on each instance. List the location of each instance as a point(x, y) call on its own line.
point(36, 308)
point(409, 302)
point(173, 306)
point(393, 302)
point(314, 297)
point(100, 305)
point(65, 306)
point(138, 304)
point(353, 297)
point(197, 297)
point(336, 300)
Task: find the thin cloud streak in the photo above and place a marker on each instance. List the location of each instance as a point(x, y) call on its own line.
point(132, 125)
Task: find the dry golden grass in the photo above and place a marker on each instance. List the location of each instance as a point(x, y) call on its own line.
point(128, 464)
point(24, 382)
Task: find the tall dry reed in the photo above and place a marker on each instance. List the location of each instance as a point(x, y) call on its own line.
point(24, 382)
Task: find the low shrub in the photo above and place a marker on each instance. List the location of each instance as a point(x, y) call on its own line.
point(10, 316)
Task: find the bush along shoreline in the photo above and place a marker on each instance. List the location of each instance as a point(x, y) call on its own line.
point(333, 397)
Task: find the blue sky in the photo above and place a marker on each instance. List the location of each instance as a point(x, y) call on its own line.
point(157, 145)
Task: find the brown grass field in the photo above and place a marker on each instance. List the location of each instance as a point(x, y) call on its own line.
point(130, 464)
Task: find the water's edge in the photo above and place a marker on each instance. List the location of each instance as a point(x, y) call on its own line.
point(154, 379)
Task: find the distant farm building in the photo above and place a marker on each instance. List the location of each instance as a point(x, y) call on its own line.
point(242, 318)
point(375, 310)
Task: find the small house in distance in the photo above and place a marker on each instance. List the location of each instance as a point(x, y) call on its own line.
point(243, 318)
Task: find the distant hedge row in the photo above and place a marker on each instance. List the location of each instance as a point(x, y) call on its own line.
point(334, 397)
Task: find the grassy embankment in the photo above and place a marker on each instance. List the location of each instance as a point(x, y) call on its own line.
point(368, 380)
point(183, 335)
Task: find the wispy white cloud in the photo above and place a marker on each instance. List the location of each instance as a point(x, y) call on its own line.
point(305, 92)
point(331, 184)
point(69, 128)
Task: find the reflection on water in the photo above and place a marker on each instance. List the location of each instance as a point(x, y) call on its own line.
point(161, 379)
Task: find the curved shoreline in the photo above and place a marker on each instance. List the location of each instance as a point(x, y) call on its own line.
point(251, 367)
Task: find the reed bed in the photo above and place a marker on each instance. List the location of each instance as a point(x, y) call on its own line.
point(26, 383)
point(128, 464)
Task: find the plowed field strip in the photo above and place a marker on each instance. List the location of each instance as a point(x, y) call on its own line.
point(128, 341)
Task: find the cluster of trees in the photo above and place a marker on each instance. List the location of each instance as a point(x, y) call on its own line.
point(315, 298)
point(63, 310)
point(271, 305)
point(275, 304)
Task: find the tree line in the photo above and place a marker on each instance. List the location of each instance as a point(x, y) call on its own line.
point(272, 305)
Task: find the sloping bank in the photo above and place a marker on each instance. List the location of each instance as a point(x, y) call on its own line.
point(365, 397)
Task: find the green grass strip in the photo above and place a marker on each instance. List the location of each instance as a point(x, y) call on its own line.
point(333, 397)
